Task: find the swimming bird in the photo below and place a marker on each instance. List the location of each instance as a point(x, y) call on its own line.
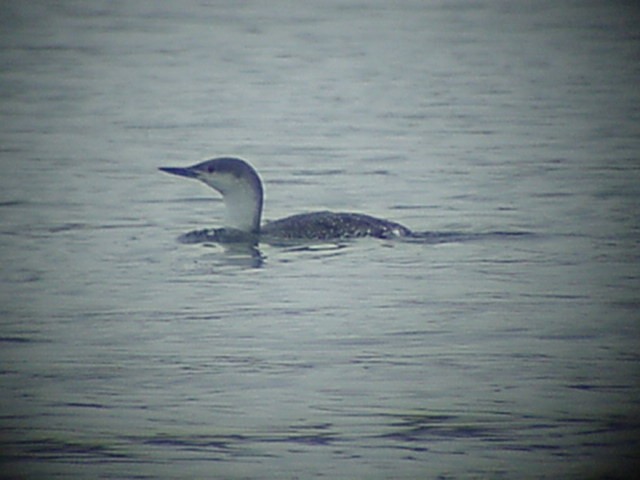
point(242, 193)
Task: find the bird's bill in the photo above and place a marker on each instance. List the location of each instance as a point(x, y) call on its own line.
point(182, 172)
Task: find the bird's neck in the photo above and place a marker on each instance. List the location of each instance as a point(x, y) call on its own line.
point(244, 207)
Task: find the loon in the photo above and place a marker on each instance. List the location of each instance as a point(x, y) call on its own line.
point(242, 193)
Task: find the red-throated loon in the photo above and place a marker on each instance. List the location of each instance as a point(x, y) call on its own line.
point(242, 193)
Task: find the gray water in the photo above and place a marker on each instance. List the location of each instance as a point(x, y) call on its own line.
point(503, 345)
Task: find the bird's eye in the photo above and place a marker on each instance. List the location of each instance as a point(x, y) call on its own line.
point(211, 168)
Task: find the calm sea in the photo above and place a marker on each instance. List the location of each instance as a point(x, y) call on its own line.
point(503, 346)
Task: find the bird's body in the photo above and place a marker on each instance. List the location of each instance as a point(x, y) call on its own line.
point(331, 225)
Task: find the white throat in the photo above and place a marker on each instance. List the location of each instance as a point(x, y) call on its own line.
point(242, 199)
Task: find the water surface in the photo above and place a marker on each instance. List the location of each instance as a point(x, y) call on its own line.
point(474, 353)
